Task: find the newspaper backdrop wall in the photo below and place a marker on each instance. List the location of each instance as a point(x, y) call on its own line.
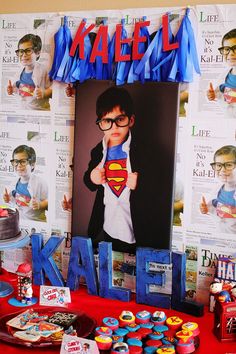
point(204, 127)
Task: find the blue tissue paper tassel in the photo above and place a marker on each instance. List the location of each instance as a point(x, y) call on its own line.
point(73, 69)
point(186, 58)
point(59, 50)
point(102, 71)
point(143, 72)
point(63, 43)
point(84, 70)
point(111, 66)
point(160, 61)
point(121, 68)
point(67, 60)
point(150, 57)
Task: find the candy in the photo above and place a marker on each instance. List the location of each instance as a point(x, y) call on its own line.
point(183, 347)
point(134, 349)
point(103, 331)
point(150, 350)
point(170, 349)
point(126, 318)
point(154, 343)
point(156, 335)
point(194, 328)
point(116, 338)
point(121, 332)
point(111, 322)
point(120, 347)
point(134, 335)
point(169, 340)
point(135, 342)
point(158, 317)
point(174, 322)
point(144, 332)
point(184, 334)
point(160, 328)
point(143, 316)
point(132, 327)
point(147, 325)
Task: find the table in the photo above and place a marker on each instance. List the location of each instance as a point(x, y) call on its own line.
point(99, 308)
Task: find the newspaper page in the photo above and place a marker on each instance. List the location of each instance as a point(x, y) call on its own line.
point(210, 141)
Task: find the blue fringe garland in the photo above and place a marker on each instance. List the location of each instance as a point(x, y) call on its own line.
point(155, 65)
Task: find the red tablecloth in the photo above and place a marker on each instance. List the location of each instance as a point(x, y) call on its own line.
point(99, 308)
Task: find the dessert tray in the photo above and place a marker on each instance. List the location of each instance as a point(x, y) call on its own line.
point(45, 326)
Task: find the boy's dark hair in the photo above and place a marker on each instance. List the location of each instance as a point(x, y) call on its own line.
point(229, 35)
point(28, 150)
point(26, 280)
point(226, 150)
point(34, 39)
point(114, 97)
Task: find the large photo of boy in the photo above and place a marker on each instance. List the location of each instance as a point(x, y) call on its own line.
point(124, 164)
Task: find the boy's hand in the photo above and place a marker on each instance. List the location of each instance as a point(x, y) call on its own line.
point(38, 93)
point(6, 196)
point(35, 204)
point(211, 93)
point(203, 206)
point(9, 88)
point(98, 175)
point(70, 91)
point(132, 180)
point(66, 204)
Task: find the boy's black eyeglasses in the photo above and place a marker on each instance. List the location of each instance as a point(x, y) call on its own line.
point(228, 166)
point(22, 162)
point(226, 50)
point(27, 51)
point(107, 123)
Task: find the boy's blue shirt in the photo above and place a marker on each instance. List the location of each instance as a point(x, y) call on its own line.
point(230, 81)
point(116, 169)
point(25, 78)
point(21, 194)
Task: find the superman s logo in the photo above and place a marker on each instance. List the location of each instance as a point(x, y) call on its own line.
point(116, 175)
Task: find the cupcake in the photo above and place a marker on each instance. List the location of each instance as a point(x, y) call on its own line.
point(143, 316)
point(125, 318)
point(158, 317)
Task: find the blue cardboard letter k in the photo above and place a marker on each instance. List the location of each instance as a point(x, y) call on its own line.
point(43, 262)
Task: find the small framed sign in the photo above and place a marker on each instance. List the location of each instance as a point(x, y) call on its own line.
point(54, 296)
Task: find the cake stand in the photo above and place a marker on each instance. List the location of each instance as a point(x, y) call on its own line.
point(16, 242)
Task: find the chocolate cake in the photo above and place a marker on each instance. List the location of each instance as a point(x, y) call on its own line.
point(9, 225)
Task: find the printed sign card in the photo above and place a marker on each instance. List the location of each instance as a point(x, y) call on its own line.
point(54, 296)
point(77, 345)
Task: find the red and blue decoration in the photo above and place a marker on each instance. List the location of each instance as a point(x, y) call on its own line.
point(160, 56)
